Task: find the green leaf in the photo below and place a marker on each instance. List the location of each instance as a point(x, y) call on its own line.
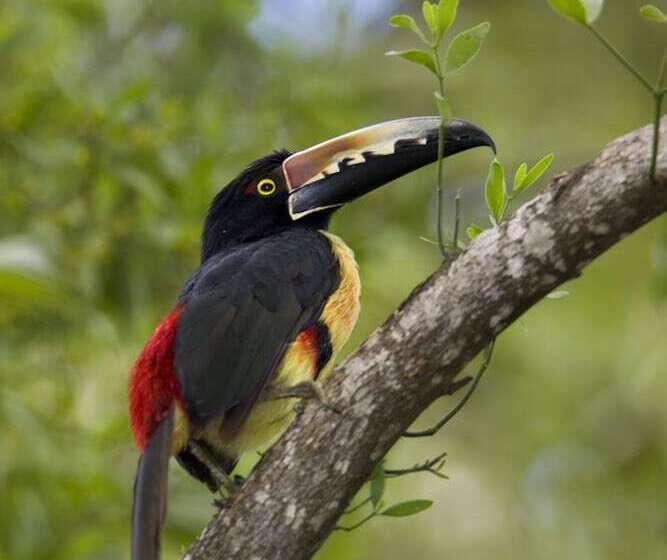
point(593, 9)
point(584, 12)
point(377, 485)
point(406, 22)
point(570, 9)
point(520, 176)
point(446, 15)
point(464, 47)
point(430, 13)
point(535, 172)
point(473, 231)
point(444, 108)
point(495, 192)
point(418, 57)
point(404, 509)
point(653, 13)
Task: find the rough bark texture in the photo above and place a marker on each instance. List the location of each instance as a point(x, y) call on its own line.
point(294, 496)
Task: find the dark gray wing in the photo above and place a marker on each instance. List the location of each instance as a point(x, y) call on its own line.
point(241, 312)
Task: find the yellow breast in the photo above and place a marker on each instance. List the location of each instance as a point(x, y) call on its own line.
point(342, 310)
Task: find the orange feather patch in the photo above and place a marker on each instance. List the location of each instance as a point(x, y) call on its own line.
point(305, 347)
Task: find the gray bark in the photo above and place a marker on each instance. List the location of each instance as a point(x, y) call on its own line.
point(294, 496)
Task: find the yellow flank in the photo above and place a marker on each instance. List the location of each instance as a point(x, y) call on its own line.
point(270, 417)
point(342, 310)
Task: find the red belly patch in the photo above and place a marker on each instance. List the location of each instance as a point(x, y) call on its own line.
point(153, 385)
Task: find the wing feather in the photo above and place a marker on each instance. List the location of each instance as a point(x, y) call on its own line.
point(241, 312)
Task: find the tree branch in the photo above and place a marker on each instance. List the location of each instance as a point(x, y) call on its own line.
point(294, 496)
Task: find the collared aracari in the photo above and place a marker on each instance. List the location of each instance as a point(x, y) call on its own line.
point(274, 299)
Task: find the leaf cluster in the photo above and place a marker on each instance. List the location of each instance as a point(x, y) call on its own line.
point(463, 48)
point(498, 198)
point(586, 12)
point(376, 489)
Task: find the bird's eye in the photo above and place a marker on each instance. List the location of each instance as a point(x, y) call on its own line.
point(266, 187)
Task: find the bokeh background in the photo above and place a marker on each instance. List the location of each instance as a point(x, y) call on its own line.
point(119, 120)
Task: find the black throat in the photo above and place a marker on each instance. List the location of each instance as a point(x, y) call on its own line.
point(216, 239)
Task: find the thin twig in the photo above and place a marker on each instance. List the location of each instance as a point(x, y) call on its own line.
point(656, 136)
point(659, 97)
point(488, 353)
point(457, 219)
point(624, 61)
point(432, 466)
point(663, 73)
point(365, 520)
point(441, 153)
point(358, 506)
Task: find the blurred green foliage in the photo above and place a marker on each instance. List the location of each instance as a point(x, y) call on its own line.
point(120, 119)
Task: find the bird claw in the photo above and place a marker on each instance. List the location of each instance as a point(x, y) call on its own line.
point(231, 485)
point(228, 488)
point(223, 481)
point(221, 502)
point(307, 390)
point(299, 408)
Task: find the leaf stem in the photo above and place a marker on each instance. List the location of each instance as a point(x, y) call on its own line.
point(432, 466)
point(357, 507)
point(656, 135)
point(663, 73)
point(624, 61)
point(457, 219)
point(365, 520)
point(441, 153)
point(659, 96)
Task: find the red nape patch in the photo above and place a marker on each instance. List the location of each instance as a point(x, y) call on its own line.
point(153, 384)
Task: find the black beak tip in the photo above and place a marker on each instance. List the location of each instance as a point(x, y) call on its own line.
point(461, 135)
point(491, 144)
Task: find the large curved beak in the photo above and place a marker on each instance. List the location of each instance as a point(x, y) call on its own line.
point(339, 170)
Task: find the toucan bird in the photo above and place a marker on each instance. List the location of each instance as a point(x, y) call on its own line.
point(274, 299)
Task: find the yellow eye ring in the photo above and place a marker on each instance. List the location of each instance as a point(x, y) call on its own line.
point(266, 187)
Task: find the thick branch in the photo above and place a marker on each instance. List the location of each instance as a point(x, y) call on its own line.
point(292, 499)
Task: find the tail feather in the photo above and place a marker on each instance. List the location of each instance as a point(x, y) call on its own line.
point(150, 493)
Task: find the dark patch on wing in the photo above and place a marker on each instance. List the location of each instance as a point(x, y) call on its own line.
point(242, 310)
point(324, 347)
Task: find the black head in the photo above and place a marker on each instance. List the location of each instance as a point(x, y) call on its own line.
point(285, 190)
point(252, 206)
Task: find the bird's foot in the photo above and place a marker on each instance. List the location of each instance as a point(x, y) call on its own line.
point(227, 485)
point(228, 490)
point(307, 390)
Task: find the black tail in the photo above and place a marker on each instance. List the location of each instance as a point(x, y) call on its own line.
point(150, 493)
